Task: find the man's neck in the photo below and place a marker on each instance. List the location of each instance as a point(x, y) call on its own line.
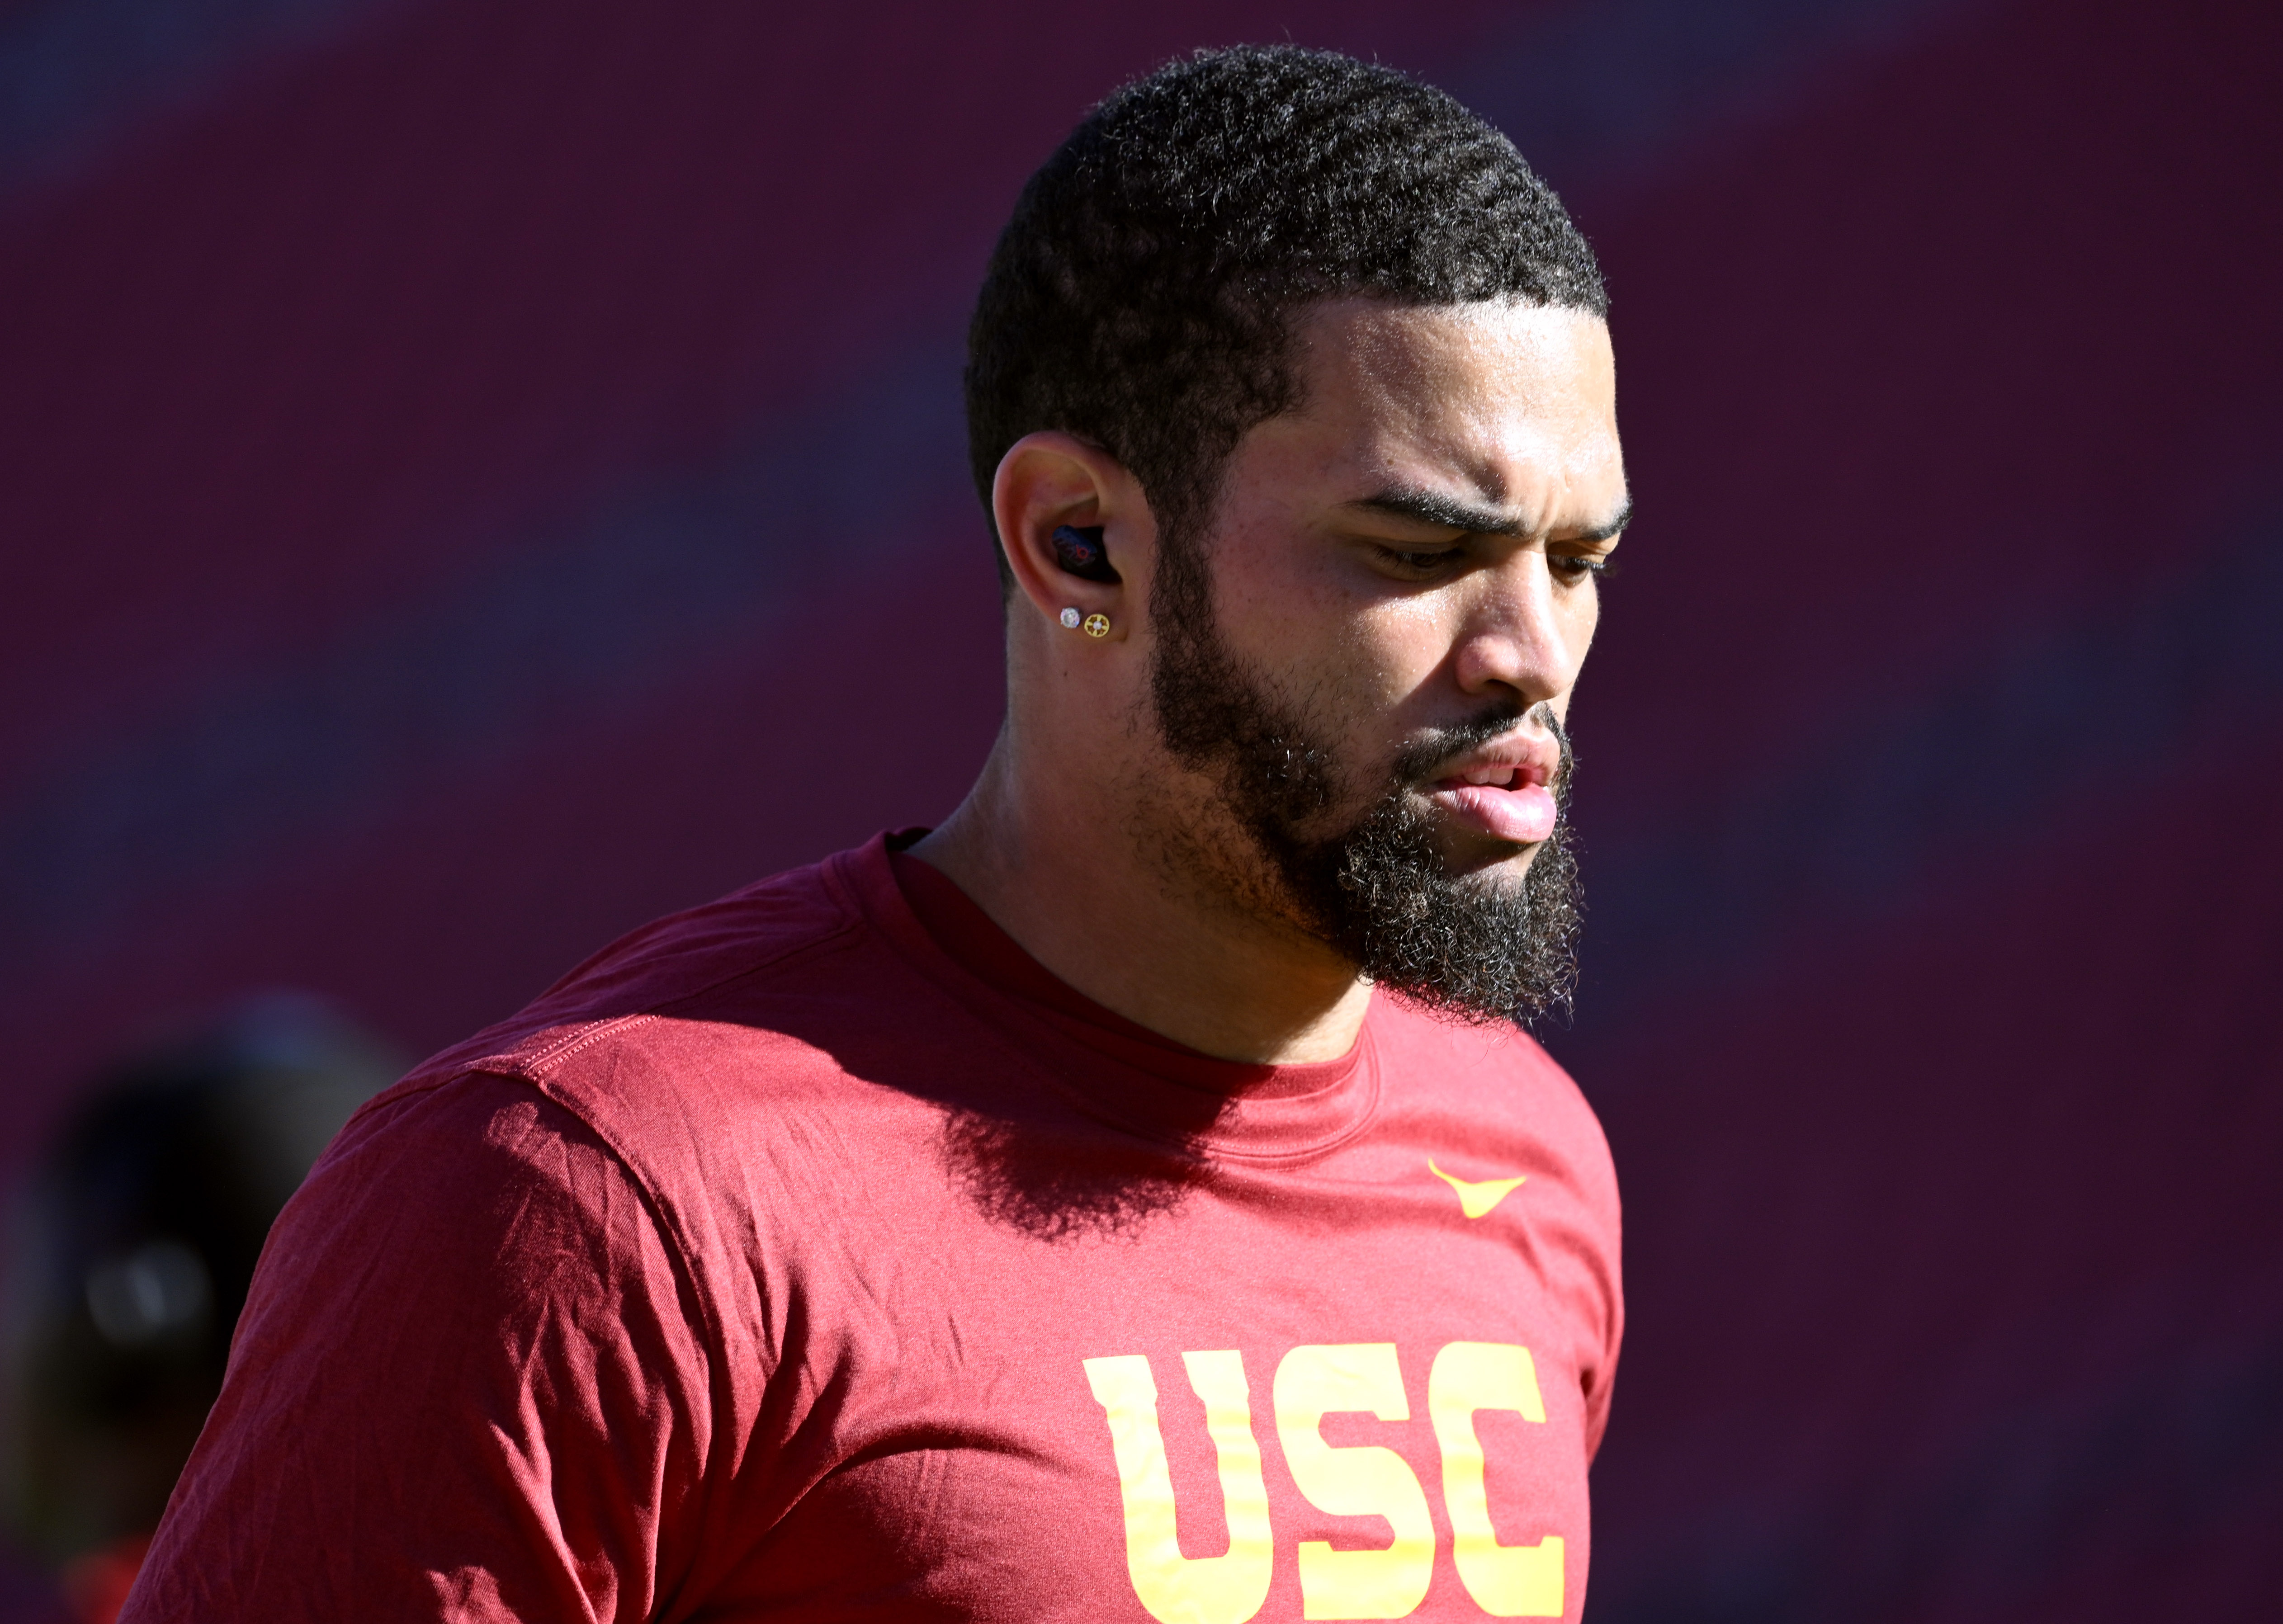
point(1072, 889)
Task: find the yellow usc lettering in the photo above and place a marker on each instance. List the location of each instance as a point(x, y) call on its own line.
point(1313, 1381)
point(1507, 1582)
point(1362, 1481)
point(1179, 1589)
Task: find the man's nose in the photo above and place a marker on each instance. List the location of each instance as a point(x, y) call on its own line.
point(1519, 635)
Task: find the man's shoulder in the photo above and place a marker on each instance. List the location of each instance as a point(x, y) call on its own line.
point(1490, 1072)
point(1469, 1055)
point(676, 965)
point(749, 994)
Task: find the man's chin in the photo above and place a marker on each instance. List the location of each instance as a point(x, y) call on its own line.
point(1479, 929)
point(1485, 861)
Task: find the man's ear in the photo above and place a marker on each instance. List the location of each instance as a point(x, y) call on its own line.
point(1051, 481)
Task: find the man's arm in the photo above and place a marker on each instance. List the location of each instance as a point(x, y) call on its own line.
point(470, 1383)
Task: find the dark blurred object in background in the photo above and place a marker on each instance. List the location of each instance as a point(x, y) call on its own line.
point(137, 1241)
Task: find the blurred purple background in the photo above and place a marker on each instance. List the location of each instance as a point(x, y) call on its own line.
point(477, 476)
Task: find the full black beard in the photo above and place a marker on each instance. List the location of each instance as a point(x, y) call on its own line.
point(1378, 890)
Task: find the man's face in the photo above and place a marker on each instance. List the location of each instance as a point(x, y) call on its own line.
point(1367, 661)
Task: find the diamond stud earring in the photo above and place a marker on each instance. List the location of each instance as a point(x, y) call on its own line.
point(1069, 619)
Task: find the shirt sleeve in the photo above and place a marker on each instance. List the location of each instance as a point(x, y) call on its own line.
point(471, 1382)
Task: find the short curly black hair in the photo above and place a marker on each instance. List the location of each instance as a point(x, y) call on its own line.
point(1141, 295)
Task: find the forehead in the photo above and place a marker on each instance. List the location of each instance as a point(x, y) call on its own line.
point(1509, 401)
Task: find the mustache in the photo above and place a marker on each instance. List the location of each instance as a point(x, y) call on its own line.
point(1419, 760)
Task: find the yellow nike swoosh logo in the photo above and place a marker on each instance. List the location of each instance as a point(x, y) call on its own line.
point(1476, 1198)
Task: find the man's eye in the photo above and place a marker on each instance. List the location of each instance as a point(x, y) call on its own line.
point(1420, 564)
point(1577, 567)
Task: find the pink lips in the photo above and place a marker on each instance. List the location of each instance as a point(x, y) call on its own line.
point(1505, 790)
point(1523, 812)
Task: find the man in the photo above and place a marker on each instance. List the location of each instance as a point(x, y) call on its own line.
point(1131, 1200)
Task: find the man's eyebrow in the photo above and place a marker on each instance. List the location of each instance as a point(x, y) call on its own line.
point(1609, 527)
point(1433, 508)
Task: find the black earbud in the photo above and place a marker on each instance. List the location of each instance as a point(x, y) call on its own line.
point(1079, 552)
